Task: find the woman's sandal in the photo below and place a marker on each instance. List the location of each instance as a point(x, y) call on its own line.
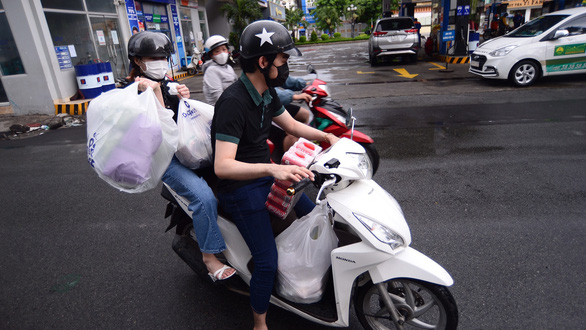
point(217, 275)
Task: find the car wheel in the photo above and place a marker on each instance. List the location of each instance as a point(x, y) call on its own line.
point(524, 73)
point(373, 60)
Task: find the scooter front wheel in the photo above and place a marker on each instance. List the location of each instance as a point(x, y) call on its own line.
point(191, 71)
point(420, 305)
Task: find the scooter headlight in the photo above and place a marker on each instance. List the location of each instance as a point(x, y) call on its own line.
point(381, 232)
point(364, 164)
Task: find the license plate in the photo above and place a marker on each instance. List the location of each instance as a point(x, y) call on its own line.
point(475, 64)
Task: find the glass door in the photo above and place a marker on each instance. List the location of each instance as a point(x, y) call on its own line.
point(109, 44)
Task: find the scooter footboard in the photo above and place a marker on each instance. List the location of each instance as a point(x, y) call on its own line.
point(411, 263)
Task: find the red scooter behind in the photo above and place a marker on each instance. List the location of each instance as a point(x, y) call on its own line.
point(329, 116)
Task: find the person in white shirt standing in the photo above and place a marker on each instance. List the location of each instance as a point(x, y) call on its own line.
point(217, 74)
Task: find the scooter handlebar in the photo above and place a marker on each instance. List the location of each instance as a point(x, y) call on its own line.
point(298, 186)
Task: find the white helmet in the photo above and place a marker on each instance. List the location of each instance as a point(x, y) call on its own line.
point(214, 42)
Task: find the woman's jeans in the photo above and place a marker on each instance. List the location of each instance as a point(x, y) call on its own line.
point(203, 204)
point(246, 207)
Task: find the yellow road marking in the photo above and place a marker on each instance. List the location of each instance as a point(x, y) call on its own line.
point(360, 72)
point(439, 67)
point(403, 73)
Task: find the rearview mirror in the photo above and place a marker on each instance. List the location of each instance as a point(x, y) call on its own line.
point(561, 33)
point(310, 69)
point(349, 117)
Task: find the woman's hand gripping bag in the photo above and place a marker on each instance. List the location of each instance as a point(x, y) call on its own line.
point(305, 256)
point(131, 138)
point(194, 121)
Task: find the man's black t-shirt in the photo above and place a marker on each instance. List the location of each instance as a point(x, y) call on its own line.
point(243, 116)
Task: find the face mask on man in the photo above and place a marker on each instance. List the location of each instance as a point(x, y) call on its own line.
point(282, 75)
point(156, 69)
point(221, 58)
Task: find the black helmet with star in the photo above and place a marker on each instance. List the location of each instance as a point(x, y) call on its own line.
point(262, 38)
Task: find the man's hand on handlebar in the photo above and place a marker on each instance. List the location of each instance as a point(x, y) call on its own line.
point(291, 173)
point(303, 97)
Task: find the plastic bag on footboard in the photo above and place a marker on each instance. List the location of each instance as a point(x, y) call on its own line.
point(131, 138)
point(194, 120)
point(305, 257)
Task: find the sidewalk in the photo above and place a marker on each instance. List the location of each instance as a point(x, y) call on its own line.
point(25, 126)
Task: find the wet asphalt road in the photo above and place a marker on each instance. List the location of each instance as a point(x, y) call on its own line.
point(491, 180)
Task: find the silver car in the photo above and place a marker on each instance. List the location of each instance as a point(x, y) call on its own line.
point(393, 37)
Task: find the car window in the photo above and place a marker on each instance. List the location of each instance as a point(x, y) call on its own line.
point(394, 24)
point(575, 27)
point(537, 26)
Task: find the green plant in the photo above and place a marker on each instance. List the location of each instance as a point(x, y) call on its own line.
point(337, 35)
point(325, 37)
point(303, 39)
point(240, 12)
point(313, 36)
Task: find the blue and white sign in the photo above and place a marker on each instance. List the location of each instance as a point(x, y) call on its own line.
point(63, 57)
point(463, 10)
point(449, 35)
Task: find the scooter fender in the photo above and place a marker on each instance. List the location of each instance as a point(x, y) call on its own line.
point(410, 263)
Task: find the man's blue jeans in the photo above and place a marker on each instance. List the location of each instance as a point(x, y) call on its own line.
point(203, 204)
point(246, 207)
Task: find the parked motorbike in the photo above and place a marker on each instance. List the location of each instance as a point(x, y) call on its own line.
point(391, 285)
point(329, 116)
point(195, 65)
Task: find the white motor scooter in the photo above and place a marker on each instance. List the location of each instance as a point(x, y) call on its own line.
point(195, 65)
point(392, 285)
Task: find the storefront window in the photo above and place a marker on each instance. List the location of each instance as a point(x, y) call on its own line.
point(10, 61)
point(63, 35)
point(187, 27)
point(153, 17)
point(63, 4)
point(101, 6)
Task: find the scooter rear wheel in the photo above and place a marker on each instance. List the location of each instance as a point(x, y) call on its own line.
point(423, 305)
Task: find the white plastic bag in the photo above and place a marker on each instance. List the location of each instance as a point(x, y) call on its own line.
point(305, 257)
point(194, 120)
point(131, 138)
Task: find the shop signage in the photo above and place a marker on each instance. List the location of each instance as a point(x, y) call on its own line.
point(132, 17)
point(309, 17)
point(63, 57)
point(164, 19)
point(177, 30)
point(277, 12)
point(189, 3)
point(525, 3)
point(148, 17)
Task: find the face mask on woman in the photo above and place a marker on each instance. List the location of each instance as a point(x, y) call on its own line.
point(221, 58)
point(156, 69)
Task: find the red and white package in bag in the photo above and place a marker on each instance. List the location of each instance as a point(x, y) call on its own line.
point(302, 154)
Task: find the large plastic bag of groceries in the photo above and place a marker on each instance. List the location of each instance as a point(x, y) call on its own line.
point(304, 257)
point(131, 138)
point(194, 120)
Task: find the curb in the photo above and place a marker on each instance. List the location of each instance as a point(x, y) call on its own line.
point(73, 108)
point(76, 108)
point(453, 59)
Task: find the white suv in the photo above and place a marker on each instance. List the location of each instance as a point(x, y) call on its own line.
point(553, 44)
point(393, 36)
